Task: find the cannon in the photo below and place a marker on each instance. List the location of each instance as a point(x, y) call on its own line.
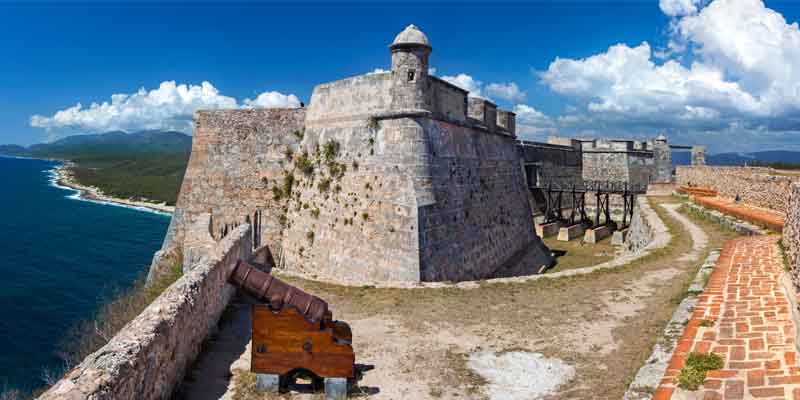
point(294, 332)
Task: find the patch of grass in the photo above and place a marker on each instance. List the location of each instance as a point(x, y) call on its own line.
point(324, 185)
point(299, 133)
point(707, 323)
point(784, 257)
point(304, 163)
point(694, 372)
point(330, 151)
point(373, 123)
point(576, 254)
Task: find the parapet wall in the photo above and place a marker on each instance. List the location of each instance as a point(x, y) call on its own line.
point(791, 233)
point(357, 97)
point(150, 356)
point(757, 186)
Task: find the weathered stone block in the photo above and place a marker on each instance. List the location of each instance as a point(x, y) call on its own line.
point(547, 230)
point(268, 382)
point(335, 388)
point(597, 234)
point(618, 237)
point(567, 233)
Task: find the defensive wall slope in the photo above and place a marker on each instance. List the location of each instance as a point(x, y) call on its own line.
point(386, 177)
point(762, 187)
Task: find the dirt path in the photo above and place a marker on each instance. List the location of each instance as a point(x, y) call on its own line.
point(598, 328)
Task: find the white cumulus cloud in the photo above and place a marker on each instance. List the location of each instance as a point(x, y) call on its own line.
point(677, 8)
point(273, 100)
point(466, 82)
point(169, 107)
point(506, 91)
point(533, 124)
point(744, 75)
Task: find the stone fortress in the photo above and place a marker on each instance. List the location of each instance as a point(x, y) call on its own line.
point(387, 177)
point(396, 177)
point(392, 177)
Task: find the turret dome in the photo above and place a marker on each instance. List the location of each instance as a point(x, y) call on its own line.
point(411, 36)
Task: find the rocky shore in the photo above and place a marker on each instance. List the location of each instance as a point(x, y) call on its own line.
point(64, 177)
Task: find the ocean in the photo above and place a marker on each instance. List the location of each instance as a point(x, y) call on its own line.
point(60, 258)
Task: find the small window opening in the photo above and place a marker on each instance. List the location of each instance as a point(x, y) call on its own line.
point(411, 76)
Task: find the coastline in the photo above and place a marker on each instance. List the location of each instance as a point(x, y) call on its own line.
point(62, 177)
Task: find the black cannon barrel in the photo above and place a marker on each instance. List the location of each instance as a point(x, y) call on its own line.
point(277, 293)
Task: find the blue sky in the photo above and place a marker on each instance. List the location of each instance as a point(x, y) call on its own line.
point(59, 55)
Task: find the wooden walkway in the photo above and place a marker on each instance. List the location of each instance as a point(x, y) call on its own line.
point(751, 328)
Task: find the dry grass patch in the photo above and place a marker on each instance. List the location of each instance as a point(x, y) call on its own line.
point(577, 254)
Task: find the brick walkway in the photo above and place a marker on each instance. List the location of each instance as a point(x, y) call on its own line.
point(752, 328)
point(760, 216)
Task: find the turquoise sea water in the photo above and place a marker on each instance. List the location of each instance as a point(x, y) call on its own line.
point(60, 257)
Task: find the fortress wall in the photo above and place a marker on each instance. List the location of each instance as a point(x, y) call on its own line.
point(366, 230)
point(641, 169)
point(361, 96)
point(449, 101)
point(605, 166)
point(150, 356)
point(237, 156)
point(559, 165)
point(757, 186)
point(791, 233)
point(478, 218)
point(429, 200)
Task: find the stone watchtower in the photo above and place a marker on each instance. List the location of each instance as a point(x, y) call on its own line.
point(410, 51)
point(663, 159)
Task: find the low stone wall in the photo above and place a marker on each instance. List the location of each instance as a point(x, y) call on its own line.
point(149, 357)
point(730, 222)
point(791, 233)
point(761, 187)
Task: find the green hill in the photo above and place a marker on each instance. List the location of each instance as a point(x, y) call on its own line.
point(142, 165)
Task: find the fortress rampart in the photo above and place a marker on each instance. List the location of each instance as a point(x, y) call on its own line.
point(791, 233)
point(761, 187)
point(388, 177)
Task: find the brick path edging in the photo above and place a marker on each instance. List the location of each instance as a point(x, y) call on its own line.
point(752, 328)
point(649, 376)
point(742, 227)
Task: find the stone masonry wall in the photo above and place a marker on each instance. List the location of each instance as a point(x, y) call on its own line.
point(360, 225)
point(150, 356)
point(406, 199)
point(791, 233)
point(756, 186)
point(478, 216)
point(605, 166)
point(237, 157)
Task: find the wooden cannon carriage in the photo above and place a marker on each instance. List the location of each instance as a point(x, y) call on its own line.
point(294, 332)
